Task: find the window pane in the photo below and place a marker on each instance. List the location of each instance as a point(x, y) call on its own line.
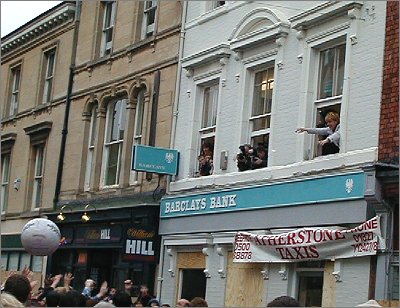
point(25, 261)
point(108, 15)
point(39, 161)
point(93, 123)
point(210, 105)
point(139, 114)
point(326, 73)
point(310, 289)
point(341, 51)
point(262, 94)
point(112, 164)
point(5, 167)
point(37, 263)
point(13, 261)
point(4, 258)
point(50, 64)
point(118, 121)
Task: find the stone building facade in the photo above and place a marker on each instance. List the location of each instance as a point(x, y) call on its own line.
point(35, 60)
point(114, 87)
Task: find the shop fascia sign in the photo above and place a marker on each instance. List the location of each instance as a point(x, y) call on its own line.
point(155, 160)
point(349, 186)
point(308, 244)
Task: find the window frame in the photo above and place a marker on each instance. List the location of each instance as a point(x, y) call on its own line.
point(48, 74)
point(5, 180)
point(108, 142)
point(266, 131)
point(150, 7)
point(91, 147)
point(208, 127)
point(15, 88)
point(37, 177)
point(109, 10)
point(333, 102)
point(138, 129)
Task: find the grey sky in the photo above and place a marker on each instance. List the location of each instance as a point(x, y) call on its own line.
point(16, 13)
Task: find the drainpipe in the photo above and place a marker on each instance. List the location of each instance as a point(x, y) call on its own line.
point(173, 132)
point(175, 108)
point(64, 131)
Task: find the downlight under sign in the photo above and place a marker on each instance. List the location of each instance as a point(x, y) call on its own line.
point(155, 160)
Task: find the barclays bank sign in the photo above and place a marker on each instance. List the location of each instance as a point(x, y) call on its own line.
point(155, 160)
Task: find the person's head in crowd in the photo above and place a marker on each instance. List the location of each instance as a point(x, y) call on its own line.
point(122, 299)
point(52, 299)
point(19, 286)
point(137, 303)
point(90, 283)
point(198, 302)
point(183, 302)
point(284, 301)
point(72, 299)
point(261, 152)
point(128, 285)
point(144, 290)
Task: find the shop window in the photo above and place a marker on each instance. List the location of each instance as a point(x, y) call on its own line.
point(48, 78)
point(193, 283)
point(14, 90)
point(310, 283)
point(149, 18)
point(5, 180)
point(208, 129)
point(16, 261)
point(115, 123)
point(108, 9)
point(91, 147)
point(138, 127)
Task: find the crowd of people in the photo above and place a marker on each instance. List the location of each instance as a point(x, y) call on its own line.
point(16, 291)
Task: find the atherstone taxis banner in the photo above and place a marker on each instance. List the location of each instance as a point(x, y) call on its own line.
point(307, 244)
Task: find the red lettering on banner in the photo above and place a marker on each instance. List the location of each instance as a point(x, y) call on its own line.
point(296, 253)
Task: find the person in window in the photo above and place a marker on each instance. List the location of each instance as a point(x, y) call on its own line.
point(260, 160)
point(331, 144)
point(206, 159)
point(245, 157)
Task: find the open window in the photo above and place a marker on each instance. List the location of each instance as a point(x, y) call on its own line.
point(329, 90)
point(108, 8)
point(15, 81)
point(48, 75)
point(113, 143)
point(149, 18)
point(207, 130)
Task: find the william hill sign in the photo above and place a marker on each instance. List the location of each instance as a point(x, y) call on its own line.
point(155, 160)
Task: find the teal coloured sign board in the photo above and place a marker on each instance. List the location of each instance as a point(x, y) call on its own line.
point(155, 160)
point(341, 187)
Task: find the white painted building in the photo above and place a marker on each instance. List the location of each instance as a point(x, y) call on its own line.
point(253, 72)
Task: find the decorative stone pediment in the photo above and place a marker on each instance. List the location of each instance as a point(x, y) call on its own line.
point(257, 26)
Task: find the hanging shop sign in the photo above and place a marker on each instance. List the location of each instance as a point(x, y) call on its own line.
point(349, 186)
point(156, 160)
point(140, 244)
point(309, 244)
